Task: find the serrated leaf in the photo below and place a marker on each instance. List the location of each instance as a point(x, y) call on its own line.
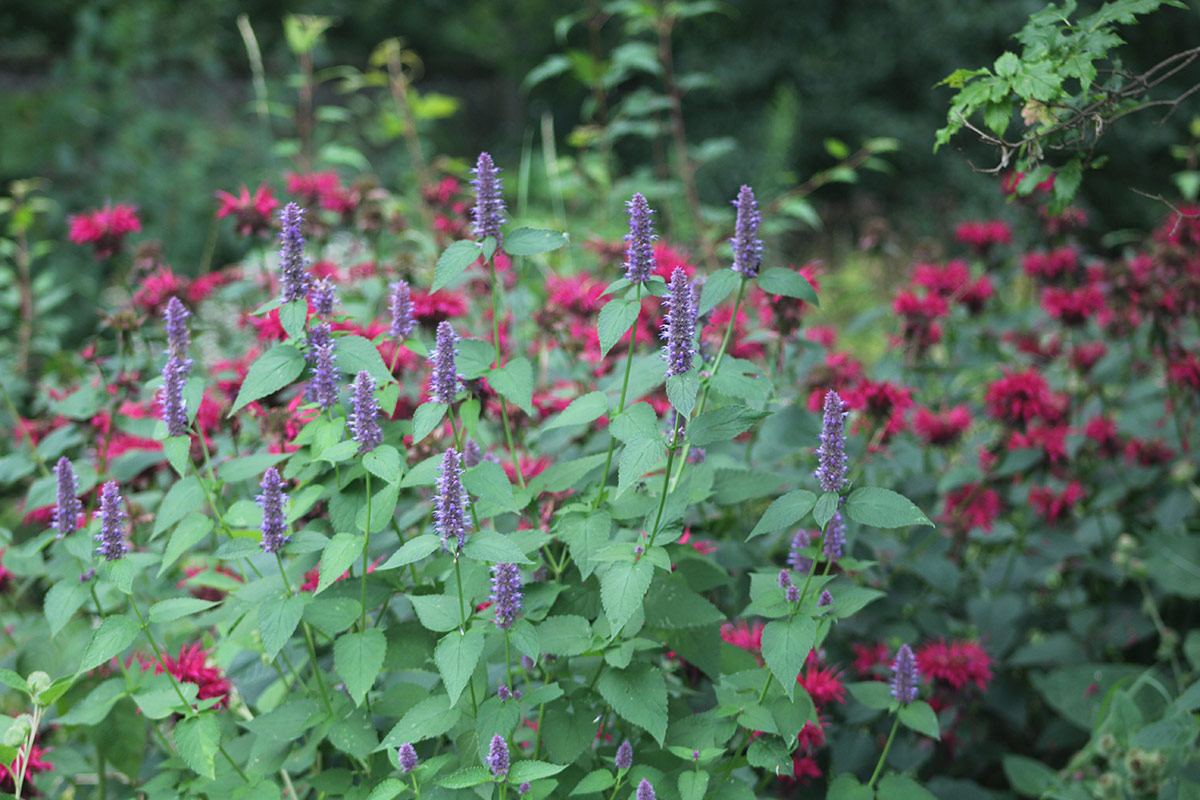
point(92, 709)
point(342, 551)
point(495, 548)
point(197, 739)
point(428, 719)
point(384, 462)
point(178, 608)
point(358, 658)
point(594, 782)
point(412, 551)
point(582, 411)
point(488, 484)
point(456, 656)
point(693, 785)
point(452, 262)
point(616, 318)
point(277, 621)
point(920, 717)
point(110, 639)
point(528, 771)
point(682, 391)
point(466, 778)
point(427, 417)
point(532, 241)
point(827, 505)
point(565, 635)
point(716, 288)
point(356, 354)
point(722, 424)
point(273, 370)
point(785, 646)
point(178, 451)
point(292, 317)
point(638, 695)
point(437, 612)
point(62, 601)
point(789, 283)
point(622, 587)
point(514, 382)
point(585, 535)
point(188, 533)
point(185, 496)
point(872, 694)
point(883, 508)
point(638, 457)
point(784, 512)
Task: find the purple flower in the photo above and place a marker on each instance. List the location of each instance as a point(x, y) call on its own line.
point(87, 576)
point(747, 247)
point(291, 254)
point(507, 597)
point(904, 676)
point(364, 418)
point(450, 516)
point(324, 385)
point(175, 318)
point(472, 455)
point(503, 693)
point(111, 537)
point(528, 663)
point(624, 758)
point(497, 759)
point(697, 455)
point(322, 296)
point(443, 383)
point(645, 791)
point(175, 371)
point(68, 508)
point(488, 214)
point(524, 788)
point(403, 319)
point(792, 593)
point(319, 334)
point(835, 538)
point(826, 599)
point(679, 326)
point(831, 453)
point(800, 562)
point(407, 756)
point(272, 501)
point(639, 251)
point(785, 580)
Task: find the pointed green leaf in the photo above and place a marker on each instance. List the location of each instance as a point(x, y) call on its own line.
point(342, 551)
point(785, 645)
point(514, 382)
point(785, 512)
point(272, 371)
point(622, 588)
point(638, 694)
point(582, 411)
point(883, 508)
point(616, 318)
point(110, 639)
point(427, 417)
point(532, 241)
point(197, 739)
point(456, 656)
point(453, 261)
point(358, 658)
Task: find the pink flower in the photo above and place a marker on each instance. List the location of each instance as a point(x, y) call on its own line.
point(192, 667)
point(944, 427)
point(742, 634)
point(976, 507)
point(958, 663)
point(1054, 506)
point(982, 236)
point(157, 288)
point(252, 212)
point(104, 229)
point(1073, 307)
point(1020, 397)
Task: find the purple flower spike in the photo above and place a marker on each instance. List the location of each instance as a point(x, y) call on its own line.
point(364, 418)
point(639, 250)
point(401, 305)
point(831, 454)
point(444, 383)
point(68, 508)
point(450, 516)
point(524, 788)
point(904, 676)
point(497, 759)
point(325, 376)
point(835, 538)
point(507, 597)
point(172, 406)
point(322, 296)
point(747, 247)
point(624, 758)
point(488, 214)
point(785, 580)
point(291, 254)
point(800, 562)
point(176, 317)
point(826, 599)
point(472, 454)
point(273, 501)
point(792, 593)
point(111, 537)
point(645, 791)
point(679, 327)
point(407, 756)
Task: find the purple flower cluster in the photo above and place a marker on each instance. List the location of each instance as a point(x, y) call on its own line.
point(324, 383)
point(645, 791)
point(747, 247)
point(624, 758)
point(272, 501)
point(497, 759)
point(488, 214)
point(407, 756)
point(791, 592)
point(444, 383)
point(364, 416)
point(831, 453)
point(796, 558)
point(904, 676)
point(292, 262)
point(639, 250)
point(111, 537)
point(450, 516)
point(322, 296)
point(835, 538)
point(175, 371)
point(507, 596)
point(401, 306)
point(679, 326)
point(68, 508)
point(826, 599)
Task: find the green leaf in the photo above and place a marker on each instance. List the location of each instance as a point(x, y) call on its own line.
point(1028, 777)
point(585, 535)
point(243, 468)
point(339, 451)
point(358, 658)
point(342, 551)
point(495, 548)
point(718, 286)
point(456, 656)
point(437, 612)
point(475, 358)
point(110, 639)
point(185, 496)
point(272, 371)
point(514, 382)
point(532, 241)
point(528, 771)
point(722, 424)
point(178, 450)
point(62, 601)
point(427, 417)
point(197, 739)
point(454, 259)
point(356, 353)
point(876, 695)
point(188, 533)
point(293, 316)
point(682, 391)
point(384, 462)
point(672, 605)
point(92, 709)
point(277, 621)
point(488, 483)
point(178, 608)
point(847, 787)
point(898, 787)
point(389, 789)
point(639, 695)
point(638, 457)
point(785, 645)
point(1007, 65)
point(785, 512)
point(582, 411)
point(565, 635)
point(883, 508)
point(428, 719)
point(622, 588)
point(285, 722)
point(616, 318)
point(826, 505)
point(693, 785)
point(594, 782)
point(466, 778)
point(412, 551)
point(789, 283)
point(919, 716)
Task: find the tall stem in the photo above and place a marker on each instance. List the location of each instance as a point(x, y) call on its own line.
point(308, 640)
point(612, 441)
point(662, 501)
point(366, 556)
point(508, 437)
point(883, 755)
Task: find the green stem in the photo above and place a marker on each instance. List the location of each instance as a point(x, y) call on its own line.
point(462, 611)
point(508, 662)
point(508, 437)
point(883, 755)
point(366, 556)
point(612, 440)
point(308, 640)
point(662, 501)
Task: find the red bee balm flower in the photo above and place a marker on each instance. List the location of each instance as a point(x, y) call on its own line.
point(1053, 505)
point(192, 667)
point(104, 229)
point(957, 663)
point(252, 212)
point(822, 685)
point(942, 428)
point(1020, 397)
